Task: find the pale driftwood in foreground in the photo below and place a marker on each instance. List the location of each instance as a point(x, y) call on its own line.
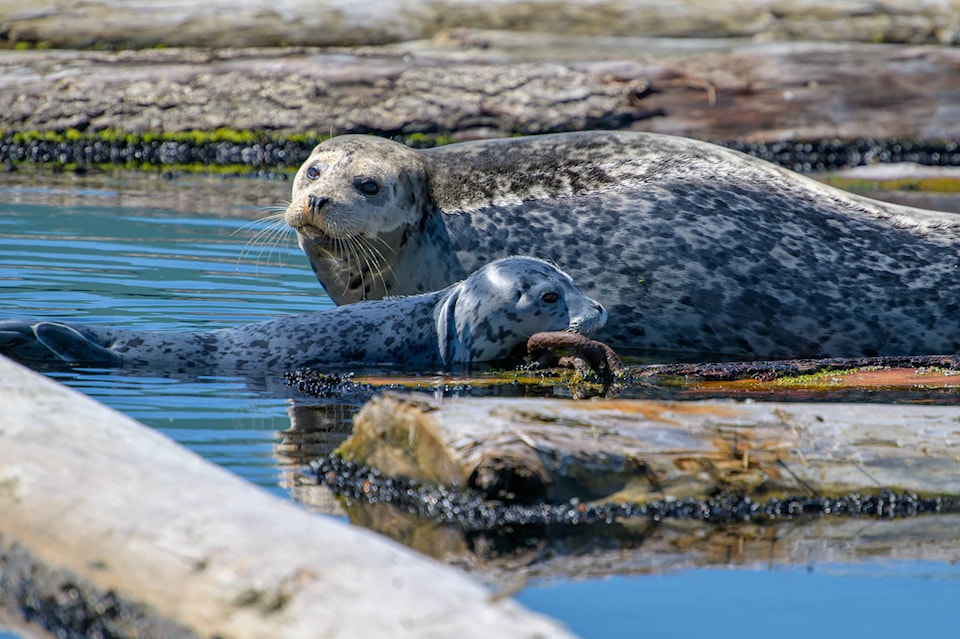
point(91, 492)
point(637, 450)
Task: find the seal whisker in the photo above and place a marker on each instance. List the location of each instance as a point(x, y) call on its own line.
point(275, 213)
point(356, 253)
point(346, 247)
point(366, 253)
point(272, 211)
point(383, 264)
point(268, 237)
point(383, 243)
point(255, 238)
point(268, 220)
point(276, 240)
point(343, 246)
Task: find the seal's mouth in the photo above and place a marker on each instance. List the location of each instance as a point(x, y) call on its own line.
point(305, 217)
point(592, 324)
point(314, 233)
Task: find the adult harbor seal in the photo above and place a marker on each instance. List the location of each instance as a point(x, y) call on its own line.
point(691, 247)
point(483, 318)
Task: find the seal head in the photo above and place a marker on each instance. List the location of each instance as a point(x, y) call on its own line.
point(500, 306)
point(357, 203)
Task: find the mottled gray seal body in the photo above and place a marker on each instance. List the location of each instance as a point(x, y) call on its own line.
point(483, 318)
point(691, 247)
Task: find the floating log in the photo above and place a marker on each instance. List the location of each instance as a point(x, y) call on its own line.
point(758, 92)
point(637, 451)
point(142, 24)
point(108, 526)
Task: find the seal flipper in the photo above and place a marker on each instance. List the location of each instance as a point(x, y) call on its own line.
point(18, 342)
point(70, 345)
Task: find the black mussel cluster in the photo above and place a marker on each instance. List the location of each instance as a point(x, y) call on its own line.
point(472, 510)
point(278, 155)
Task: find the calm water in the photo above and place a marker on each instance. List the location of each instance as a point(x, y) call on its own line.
point(158, 269)
point(118, 254)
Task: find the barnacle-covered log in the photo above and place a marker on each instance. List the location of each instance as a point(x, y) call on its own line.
point(637, 451)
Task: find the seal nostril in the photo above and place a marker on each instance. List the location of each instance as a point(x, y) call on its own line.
point(315, 203)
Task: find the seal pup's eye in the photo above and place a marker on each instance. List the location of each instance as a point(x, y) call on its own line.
point(367, 186)
point(550, 297)
point(312, 173)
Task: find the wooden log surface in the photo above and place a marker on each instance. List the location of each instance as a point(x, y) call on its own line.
point(97, 510)
point(638, 451)
point(146, 23)
point(475, 85)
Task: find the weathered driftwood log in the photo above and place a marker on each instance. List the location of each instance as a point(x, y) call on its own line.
point(763, 91)
point(139, 23)
point(637, 451)
point(123, 526)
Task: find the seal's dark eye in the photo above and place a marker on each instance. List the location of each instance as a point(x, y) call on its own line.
point(550, 297)
point(313, 172)
point(367, 186)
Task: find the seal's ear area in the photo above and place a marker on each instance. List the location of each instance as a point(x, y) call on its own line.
point(70, 345)
point(445, 320)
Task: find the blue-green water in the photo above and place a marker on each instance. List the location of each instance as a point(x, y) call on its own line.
point(160, 269)
point(876, 601)
point(100, 256)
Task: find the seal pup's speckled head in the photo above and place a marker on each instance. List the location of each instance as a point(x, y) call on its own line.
point(497, 308)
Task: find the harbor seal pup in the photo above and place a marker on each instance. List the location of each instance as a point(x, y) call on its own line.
point(695, 250)
point(483, 318)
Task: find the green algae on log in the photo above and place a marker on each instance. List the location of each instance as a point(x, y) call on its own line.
point(638, 451)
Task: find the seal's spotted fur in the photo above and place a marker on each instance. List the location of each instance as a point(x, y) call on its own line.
point(691, 247)
point(482, 318)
